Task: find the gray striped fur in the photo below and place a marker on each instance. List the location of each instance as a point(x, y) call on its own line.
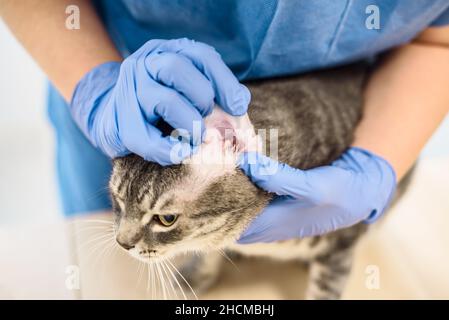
point(316, 115)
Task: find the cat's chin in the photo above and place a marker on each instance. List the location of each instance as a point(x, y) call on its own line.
point(155, 257)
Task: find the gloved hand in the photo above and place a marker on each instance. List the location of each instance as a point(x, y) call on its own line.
point(117, 105)
point(356, 187)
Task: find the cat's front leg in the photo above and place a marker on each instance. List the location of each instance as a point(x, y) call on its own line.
point(328, 275)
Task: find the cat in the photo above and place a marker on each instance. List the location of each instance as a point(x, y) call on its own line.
point(164, 211)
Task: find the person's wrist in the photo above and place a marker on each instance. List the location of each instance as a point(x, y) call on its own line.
point(379, 158)
point(90, 95)
point(105, 71)
point(387, 190)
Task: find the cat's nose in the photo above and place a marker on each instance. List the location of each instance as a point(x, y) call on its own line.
point(124, 245)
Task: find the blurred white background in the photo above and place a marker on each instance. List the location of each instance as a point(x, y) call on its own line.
point(28, 192)
point(410, 248)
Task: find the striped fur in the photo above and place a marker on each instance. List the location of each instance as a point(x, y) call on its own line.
point(315, 115)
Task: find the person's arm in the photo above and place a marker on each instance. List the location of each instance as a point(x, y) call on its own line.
point(406, 99)
point(64, 55)
point(118, 104)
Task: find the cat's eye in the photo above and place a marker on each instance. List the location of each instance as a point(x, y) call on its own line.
point(167, 219)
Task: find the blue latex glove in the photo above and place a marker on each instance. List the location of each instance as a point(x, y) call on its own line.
point(117, 105)
point(356, 187)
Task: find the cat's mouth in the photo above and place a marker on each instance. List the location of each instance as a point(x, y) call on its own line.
point(145, 255)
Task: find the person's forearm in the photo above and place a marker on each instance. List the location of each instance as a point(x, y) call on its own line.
point(406, 99)
point(64, 55)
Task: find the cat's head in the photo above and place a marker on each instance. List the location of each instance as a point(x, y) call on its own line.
point(194, 206)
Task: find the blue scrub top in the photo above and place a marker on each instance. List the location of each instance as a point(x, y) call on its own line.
point(273, 38)
point(256, 39)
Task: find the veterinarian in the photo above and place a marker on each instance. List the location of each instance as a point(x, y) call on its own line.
point(113, 78)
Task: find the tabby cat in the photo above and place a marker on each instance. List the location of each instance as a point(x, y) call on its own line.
point(163, 211)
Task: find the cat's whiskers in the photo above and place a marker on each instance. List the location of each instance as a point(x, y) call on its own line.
point(170, 281)
point(158, 280)
point(108, 248)
point(224, 255)
point(101, 239)
point(148, 278)
point(176, 280)
point(184, 279)
point(140, 271)
point(92, 228)
point(99, 248)
point(241, 208)
point(91, 221)
point(153, 282)
point(162, 280)
point(108, 235)
point(101, 191)
point(99, 225)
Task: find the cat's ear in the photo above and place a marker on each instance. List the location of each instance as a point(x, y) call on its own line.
point(118, 168)
point(118, 164)
point(239, 131)
point(225, 139)
point(126, 162)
